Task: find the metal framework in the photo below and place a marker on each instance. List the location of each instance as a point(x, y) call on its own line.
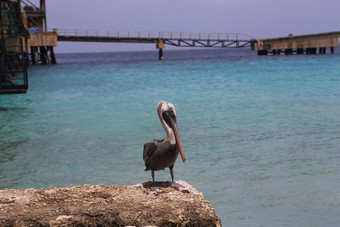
point(208, 43)
point(13, 41)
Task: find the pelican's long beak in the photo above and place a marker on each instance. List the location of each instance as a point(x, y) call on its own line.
point(179, 146)
point(178, 140)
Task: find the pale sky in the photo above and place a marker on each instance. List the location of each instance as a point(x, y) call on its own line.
point(259, 18)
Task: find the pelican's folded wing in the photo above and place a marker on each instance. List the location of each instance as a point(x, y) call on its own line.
point(149, 149)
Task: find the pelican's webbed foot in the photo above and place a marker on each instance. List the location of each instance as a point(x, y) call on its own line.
point(176, 185)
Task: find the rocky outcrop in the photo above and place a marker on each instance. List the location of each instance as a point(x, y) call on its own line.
point(99, 205)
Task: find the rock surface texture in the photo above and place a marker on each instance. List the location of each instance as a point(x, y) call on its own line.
point(100, 205)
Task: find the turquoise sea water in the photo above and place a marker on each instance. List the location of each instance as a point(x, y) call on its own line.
point(261, 134)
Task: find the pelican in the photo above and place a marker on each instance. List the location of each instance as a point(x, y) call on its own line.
point(161, 154)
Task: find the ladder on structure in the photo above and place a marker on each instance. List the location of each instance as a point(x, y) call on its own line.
point(13, 49)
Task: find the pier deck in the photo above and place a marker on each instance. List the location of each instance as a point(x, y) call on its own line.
point(298, 44)
point(180, 39)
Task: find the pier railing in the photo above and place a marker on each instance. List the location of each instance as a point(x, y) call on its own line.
point(155, 35)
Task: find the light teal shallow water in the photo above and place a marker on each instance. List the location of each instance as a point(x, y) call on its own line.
point(261, 134)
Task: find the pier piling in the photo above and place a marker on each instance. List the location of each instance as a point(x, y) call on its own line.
point(160, 46)
point(288, 51)
point(50, 55)
point(299, 51)
point(34, 55)
point(161, 55)
point(43, 56)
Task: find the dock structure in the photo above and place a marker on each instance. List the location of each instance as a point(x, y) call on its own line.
point(178, 39)
point(302, 44)
point(41, 43)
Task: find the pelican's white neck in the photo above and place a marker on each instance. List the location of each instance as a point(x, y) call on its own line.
point(170, 136)
point(161, 108)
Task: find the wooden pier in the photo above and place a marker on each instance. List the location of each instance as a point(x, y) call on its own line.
point(302, 44)
point(41, 43)
point(44, 40)
point(179, 39)
point(42, 47)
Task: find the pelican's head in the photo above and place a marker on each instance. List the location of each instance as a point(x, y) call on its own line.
point(163, 107)
point(167, 115)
